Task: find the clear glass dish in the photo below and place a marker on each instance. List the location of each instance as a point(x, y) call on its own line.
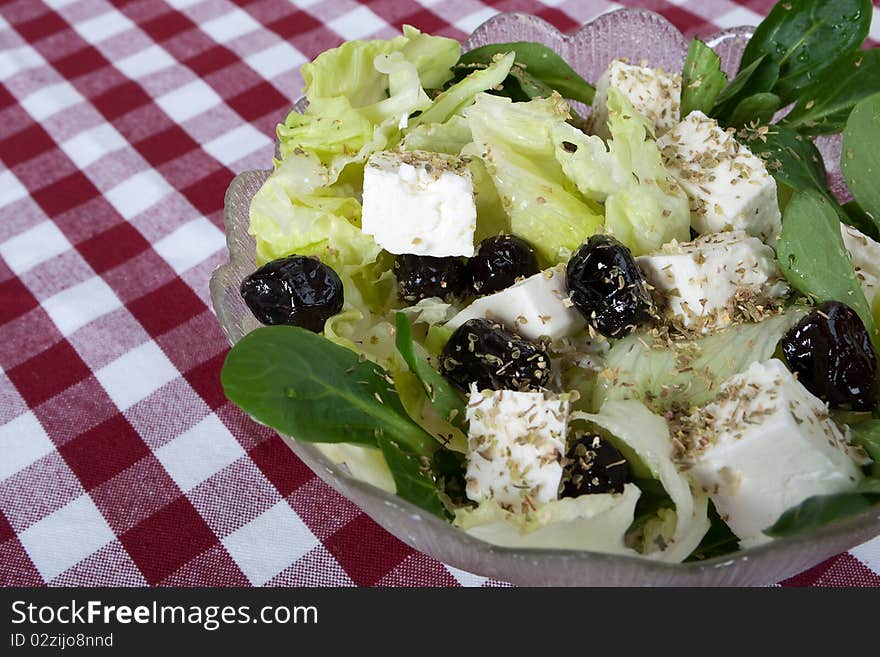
point(639, 35)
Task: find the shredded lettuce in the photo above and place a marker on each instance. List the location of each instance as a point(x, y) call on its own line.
point(463, 93)
point(643, 438)
point(687, 373)
point(644, 206)
point(361, 95)
point(514, 141)
point(589, 522)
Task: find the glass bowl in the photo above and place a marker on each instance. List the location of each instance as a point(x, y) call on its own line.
point(639, 35)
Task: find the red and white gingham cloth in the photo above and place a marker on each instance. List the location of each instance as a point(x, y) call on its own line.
point(121, 125)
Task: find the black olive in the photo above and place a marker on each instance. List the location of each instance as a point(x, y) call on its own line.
point(594, 466)
point(485, 353)
point(607, 287)
point(499, 261)
point(419, 277)
point(296, 290)
point(831, 353)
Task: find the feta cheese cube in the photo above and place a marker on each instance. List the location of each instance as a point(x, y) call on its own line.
point(728, 187)
point(865, 254)
point(764, 446)
point(715, 280)
point(533, 307)
point(653, 92)
point(516, 442)
point(419, 202)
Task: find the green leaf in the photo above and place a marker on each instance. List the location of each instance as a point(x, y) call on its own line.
point(461, 94)
point(861, 155)
point(412, 476)
point(825, 105)
point(757, 109)
point(814, 259)
point(867, 434)
point(806, 37)
point(820, 510)
point(306, 387)
point(718, 541)
point(735, 87)
point(793, 160)
point(688, 372)
point(853, 215)
point(447, 401)
point(702, 79)
point(540, 62)
point(757, 78)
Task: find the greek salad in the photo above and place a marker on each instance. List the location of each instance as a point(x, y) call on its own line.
point(624, 315)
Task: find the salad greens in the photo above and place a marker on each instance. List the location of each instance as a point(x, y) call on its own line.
point(537, 69)
point(369, 392)
point(515, 142)
point(814, 259)
point(702, 79)
point(684, 373)
point(644, 206)
point(861, 161)
point(289, 378)
point(804, 38)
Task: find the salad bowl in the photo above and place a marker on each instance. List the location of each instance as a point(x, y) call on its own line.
point(639, 35)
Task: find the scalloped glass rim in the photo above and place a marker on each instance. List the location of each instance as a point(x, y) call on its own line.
point(637, 34)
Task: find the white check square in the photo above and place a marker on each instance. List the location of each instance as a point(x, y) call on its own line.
point(91, 145)
point(188, 101)
point(22, 441)
point(18, 59)
point(136, 194)
point(136, 375)
point(465, 578)
point(11, 190)
point(66, 537)
point(280, 58)
point(356, 24)
point(100, 28)
point(736, 17)
point(50, 100)
point(73, 308)
point(236, 144)
point(141, 64)
point(470, 22)
point(35, 245)
point(230, 26)
point(199, 453)
point(270, 543)
point(192, 243)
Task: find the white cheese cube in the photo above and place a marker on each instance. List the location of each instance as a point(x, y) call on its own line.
point(865, 254)
point(764, 446)
point(516, 442)
point(653, 92)
point(419, 202)
point(728, 187)
point(533, 307)
point(715, 280)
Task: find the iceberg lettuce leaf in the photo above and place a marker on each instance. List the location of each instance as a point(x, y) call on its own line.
point(590, 522)
point(514, 142)
point(644, 206)
point(687, 373)
point(643, 438)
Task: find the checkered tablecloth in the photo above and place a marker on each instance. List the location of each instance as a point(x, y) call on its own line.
point(121, 125)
